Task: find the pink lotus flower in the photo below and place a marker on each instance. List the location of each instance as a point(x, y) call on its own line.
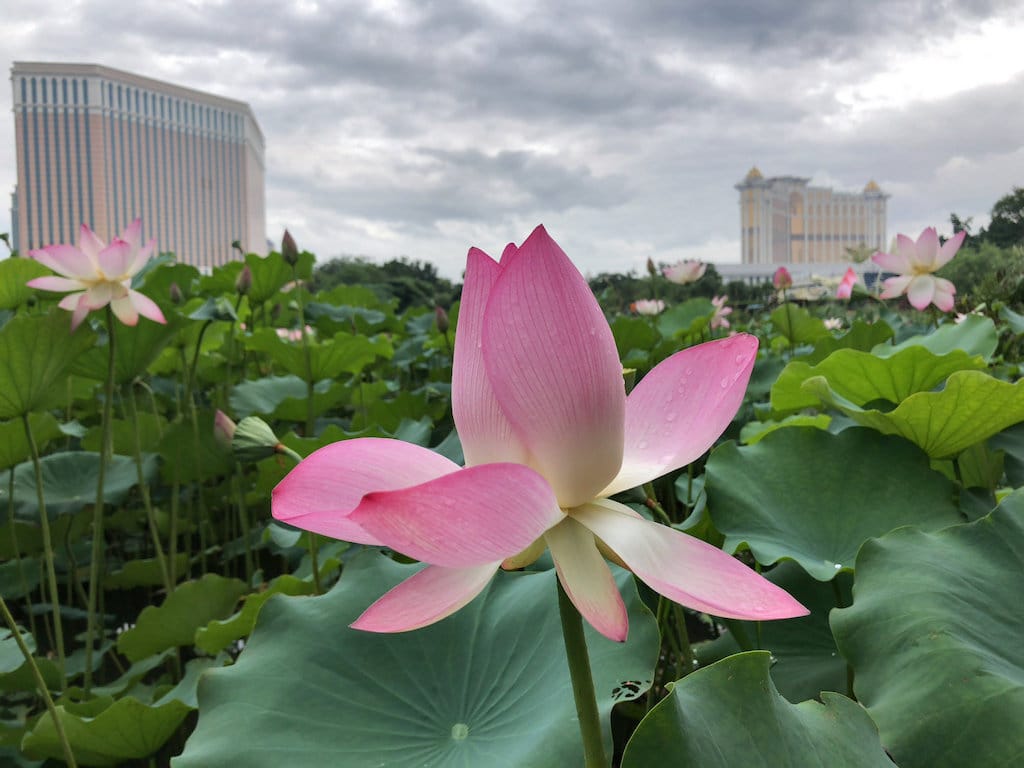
point(648, 306)
point(685, 272)
point(100, 274)
point(914, 264)
point(845, 289)
point(718, 320)
point(548, 435)
point(782, 279)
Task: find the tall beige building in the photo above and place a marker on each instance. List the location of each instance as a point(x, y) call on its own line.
point(102, 147)
point(783, 220)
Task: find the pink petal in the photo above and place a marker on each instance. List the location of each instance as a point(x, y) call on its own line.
point(115, 259)
point(895, 286)
point(927, 248)
point(944, 293)
point(146, 307)
point(99, 295)
point(66, 260)
point(320, 493)
point(921, 291)
point(587, 580)
point(77, 305)
point(687, 570)
point(898, 262)
point(124, 310)
point(61, 284)
point(551, 359)
point(477, 515)
point(680, 408)
point(483, 428)
point(91, 246)
point(133, 233)
point(429, 596)
point(949, 249)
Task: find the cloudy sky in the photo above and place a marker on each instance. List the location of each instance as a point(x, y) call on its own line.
point(421, 128)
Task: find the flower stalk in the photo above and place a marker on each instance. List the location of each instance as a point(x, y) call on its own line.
point(582, 682)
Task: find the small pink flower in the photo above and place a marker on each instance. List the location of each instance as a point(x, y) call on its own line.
point(718, 320)
point(685, 272)
point(100, 274)
point(914, 264)
point(549, 435)
point(845, 289)
point(648, 306)
point(833, 324)
point(782, 279)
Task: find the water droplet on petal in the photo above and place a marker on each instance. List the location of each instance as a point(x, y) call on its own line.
point(725, 383)
point(642, 445)
point(670, 416)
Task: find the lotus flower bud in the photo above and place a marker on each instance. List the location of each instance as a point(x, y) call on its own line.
point(254, 440)
point(651, 269)
point(244, 281)
point(441, 318)
point(223, 429)
point(782, 279)
point(289, 250)
point(175, 294)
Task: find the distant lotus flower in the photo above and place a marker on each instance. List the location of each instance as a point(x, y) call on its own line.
point(648, 306)
point(548, 435)
point(223, 428)
point(100, 274)
point(294, 334)
point(914, 264)
point(289, 250)
point(782, 279)
point(685, 272)
point(845, 289)
point(718, 320)
point(833, 324)
point(441, 319)
point(244, 281)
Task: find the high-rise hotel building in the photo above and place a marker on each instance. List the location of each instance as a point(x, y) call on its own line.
point(103, 147)
point(783, 220)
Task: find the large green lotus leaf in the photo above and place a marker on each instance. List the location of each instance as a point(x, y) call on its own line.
point(1013, 319)
point(14, 447)
point(14, 274)
point(976, 335)
point(934, 637)
point(11, 657)
point(122, 434)
point(106, 732)
point(345, 353)
point(972, 407)
point(19, 578)
point(797, 324)
point(69, 482)
point(806, 661)
point(815, 497)
point(488, 686)
point(731, 715)
point(755, 431)
point(187, 456)
point(142, 572)
point(271, 272)
point(862, 336)
point(634, 334)
point(35, 353)
point(218, 635)
point(284, 397)
point(691, 316)
point(1011, 443)
point(862, 377)
point(135, 347)
point(174, 622)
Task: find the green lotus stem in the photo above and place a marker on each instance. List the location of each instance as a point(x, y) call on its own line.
point(17, 552)
point(314, 555)
point(840, 603)
point(69, 755)
point(51, 571)
point(154, 531)
point(243, 520)
point(305, 353)
point(654, 506)
point(683, 638)
point(582, 682)
point(95, 569)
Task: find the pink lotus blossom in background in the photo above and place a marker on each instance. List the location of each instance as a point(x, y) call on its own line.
point(549, 435)
point(294, 334)
point(914, 263)
point(718, 320)
point(782, 279)
point(845, 289)
point(833, 324)
point(99, 274)
point(647, 306)
point(685, 272)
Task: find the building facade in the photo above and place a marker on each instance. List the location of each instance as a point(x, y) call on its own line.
point(785, 221)
point(103, 147)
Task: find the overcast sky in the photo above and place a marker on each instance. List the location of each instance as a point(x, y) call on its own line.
point(421, 128)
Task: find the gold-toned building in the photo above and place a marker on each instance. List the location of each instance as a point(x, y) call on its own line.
point(785, 221)
point(103, 147)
